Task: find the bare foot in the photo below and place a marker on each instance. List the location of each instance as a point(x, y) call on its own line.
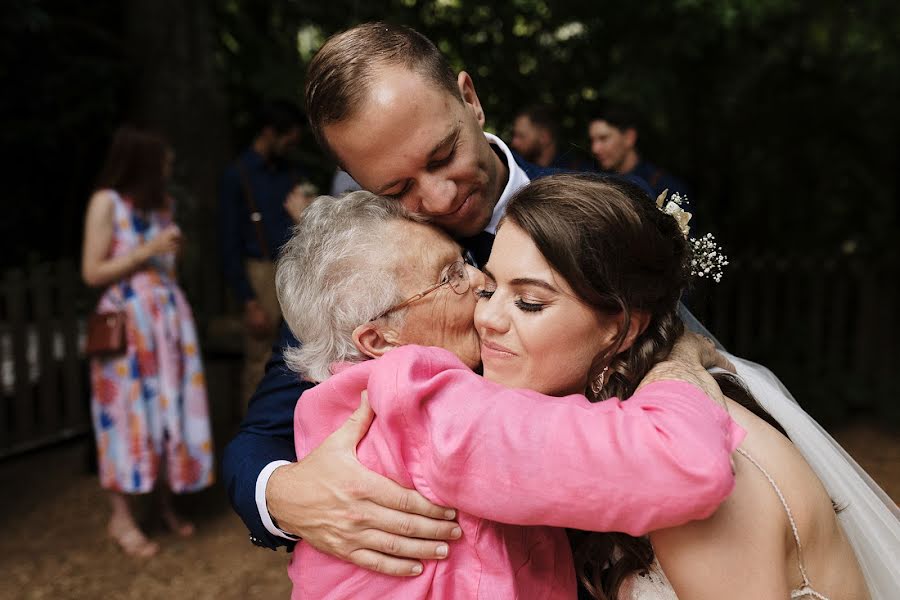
point(179, 526)
point(131, 540)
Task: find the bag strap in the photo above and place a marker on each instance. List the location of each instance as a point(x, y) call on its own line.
point(255, 215)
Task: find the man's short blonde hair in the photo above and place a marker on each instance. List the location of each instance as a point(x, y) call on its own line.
point(340, 74)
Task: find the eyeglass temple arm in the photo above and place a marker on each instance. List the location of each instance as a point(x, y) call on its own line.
point(419, 296)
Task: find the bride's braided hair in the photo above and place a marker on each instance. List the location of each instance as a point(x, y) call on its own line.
point(620, 254)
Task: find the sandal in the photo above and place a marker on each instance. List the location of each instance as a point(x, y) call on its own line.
point(132, 541)
point(177, 525)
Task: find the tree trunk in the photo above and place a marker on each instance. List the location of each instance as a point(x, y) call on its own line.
point(178, 93)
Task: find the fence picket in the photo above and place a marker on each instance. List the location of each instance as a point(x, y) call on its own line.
point(769, 276)
point(6, 359)
point(744, 340)
point(23, 407)
point(48, 417)
point(816, 317)
point(75, 405)
point(884, 372)
point(837, 326)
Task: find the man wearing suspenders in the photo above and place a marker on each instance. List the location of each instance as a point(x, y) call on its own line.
point(257, 207)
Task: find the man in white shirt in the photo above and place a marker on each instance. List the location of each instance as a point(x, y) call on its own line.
point(385, 103)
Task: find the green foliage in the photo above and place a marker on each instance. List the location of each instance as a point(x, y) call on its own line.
point(780, 114)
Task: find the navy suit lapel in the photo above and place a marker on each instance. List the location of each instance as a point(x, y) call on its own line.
point(480, 246)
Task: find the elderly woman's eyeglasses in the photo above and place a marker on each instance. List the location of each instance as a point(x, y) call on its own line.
point(455, 276)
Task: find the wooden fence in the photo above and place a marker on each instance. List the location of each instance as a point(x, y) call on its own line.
point(828, 328)
point(42, 374)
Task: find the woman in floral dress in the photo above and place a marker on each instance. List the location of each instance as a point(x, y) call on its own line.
point(149, 403)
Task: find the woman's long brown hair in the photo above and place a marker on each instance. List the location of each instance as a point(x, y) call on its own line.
point(134, 167)
point(620, 254)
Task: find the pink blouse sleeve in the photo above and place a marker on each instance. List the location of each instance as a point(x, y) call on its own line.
point(515, 456)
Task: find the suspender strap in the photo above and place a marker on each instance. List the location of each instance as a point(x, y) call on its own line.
point(255, 215)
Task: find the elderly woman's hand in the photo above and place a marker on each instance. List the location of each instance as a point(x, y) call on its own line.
point(343, 509)
point(688, 361)
point(694, 347)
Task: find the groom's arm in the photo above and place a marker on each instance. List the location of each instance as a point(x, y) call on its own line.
point(266, 437)
point(328, 498)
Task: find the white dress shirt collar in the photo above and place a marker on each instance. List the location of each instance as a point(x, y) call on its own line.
point(517, 180)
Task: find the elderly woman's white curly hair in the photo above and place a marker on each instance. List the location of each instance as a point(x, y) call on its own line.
point(333, 275)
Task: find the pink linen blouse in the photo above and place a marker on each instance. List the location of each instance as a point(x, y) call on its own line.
point(519, 467)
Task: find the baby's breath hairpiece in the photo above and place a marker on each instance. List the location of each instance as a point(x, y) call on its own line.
point(707, 257)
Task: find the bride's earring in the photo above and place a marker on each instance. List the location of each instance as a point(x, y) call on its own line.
point(597, 383)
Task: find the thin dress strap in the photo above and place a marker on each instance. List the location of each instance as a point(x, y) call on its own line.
point(806, 588)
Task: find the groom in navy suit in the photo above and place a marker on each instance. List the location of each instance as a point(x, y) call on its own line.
point(385, 103)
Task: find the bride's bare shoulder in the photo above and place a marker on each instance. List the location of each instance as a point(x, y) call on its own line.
point(774, 453)
point(742, 547)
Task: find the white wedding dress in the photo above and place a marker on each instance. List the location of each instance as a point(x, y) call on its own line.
point(871, 519)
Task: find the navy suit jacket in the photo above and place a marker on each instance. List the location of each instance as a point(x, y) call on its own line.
point(267, 432)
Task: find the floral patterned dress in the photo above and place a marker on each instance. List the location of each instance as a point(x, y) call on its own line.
point(149, 404)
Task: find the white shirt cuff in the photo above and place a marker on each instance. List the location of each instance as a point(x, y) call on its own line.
point(261, 482)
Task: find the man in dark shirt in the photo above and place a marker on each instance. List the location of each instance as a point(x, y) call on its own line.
point(257, 202)
point(613, 132)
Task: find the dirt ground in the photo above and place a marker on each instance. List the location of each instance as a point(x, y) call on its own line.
point(53, 543)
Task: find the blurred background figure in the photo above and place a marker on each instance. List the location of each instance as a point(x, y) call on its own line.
point(536, 138)
point(259, 201)
point(148, 403)
point(613, 132)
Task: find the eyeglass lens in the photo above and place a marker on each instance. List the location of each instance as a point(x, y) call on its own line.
point(457, 277)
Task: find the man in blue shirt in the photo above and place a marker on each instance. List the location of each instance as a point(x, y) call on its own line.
point(536, 137)
point(613, 132)
point(256, 200)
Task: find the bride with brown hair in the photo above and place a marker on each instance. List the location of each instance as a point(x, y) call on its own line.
point(580, 296)
point(596, 237)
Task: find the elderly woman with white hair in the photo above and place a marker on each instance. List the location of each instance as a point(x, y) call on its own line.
point(360, 280)
point(349, 263)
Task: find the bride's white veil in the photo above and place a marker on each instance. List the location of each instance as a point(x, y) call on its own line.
point(869, 517)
